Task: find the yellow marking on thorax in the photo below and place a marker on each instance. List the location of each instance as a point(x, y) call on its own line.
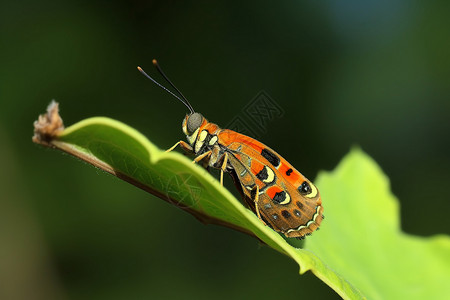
point(203, 135)
point(201, 140)
point(191, 138)
point(213, 140)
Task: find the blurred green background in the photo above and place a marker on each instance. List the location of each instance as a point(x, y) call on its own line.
point(372, 73)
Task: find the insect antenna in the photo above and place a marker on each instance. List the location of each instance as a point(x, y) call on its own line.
point(155, 63)
point(182, 99)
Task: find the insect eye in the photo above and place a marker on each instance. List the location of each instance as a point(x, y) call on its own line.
point(304, 188)
point(193, 122)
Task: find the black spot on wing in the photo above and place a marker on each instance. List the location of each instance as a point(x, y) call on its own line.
point(288, 172)
point(304, 188)
point(285, 214)
point(262, 175)
point(279, 197)
point(271, 157)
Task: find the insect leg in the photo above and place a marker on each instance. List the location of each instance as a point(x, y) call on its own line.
point(256, 204)
point(200, 157)
point(223, 168)
point(183, 145)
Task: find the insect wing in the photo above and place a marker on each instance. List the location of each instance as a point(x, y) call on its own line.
point(287, 200)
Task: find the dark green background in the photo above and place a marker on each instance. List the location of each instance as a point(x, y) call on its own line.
point(374, 74)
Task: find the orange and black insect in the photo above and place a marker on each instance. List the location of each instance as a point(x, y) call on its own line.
point(281, 196)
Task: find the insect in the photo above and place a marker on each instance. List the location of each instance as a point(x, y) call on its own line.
point(273, 189)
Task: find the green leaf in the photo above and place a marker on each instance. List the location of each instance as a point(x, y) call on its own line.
point(361, 237)
point(359, 250)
